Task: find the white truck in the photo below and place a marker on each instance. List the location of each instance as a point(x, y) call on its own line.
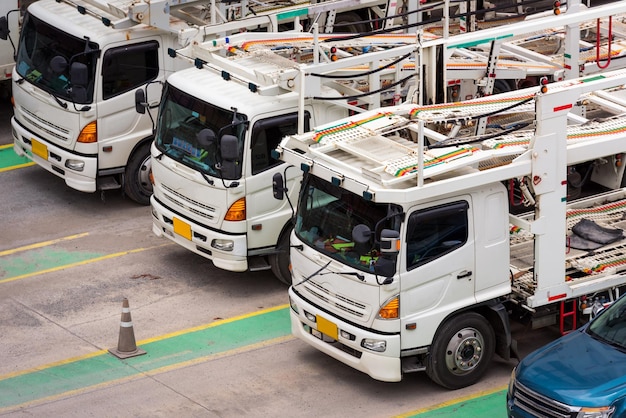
point(218, 123)
point(409, 250)
point(229, 216)
point(80, 63)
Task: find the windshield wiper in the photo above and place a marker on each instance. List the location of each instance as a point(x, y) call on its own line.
point(201, 167)
point(348, 273)
point(63, 105)
point(319, 273)
point(208, 180)
point(314, 274)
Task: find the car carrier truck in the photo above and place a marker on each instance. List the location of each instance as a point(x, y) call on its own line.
point(219, 122)
point(231, 218)
point(410, 250)
point(79, 63)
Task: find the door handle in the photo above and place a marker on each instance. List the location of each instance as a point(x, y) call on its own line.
point(464, 274)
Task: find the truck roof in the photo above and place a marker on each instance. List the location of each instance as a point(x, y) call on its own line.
point(68, 19)
point(210, 87)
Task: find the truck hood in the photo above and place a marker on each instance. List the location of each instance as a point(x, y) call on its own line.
point(576, 370)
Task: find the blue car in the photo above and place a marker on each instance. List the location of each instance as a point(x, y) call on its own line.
point(580, 375)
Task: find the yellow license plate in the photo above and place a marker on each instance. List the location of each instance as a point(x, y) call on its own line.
point(39, 149)
point(326, 327)
point(182, 228)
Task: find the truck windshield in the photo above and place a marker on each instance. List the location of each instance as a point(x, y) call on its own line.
point(182, 128)
point(41, 48)
point(610, 326)
point(327, 214)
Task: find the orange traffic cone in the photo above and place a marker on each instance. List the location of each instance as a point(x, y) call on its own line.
point(126, 345)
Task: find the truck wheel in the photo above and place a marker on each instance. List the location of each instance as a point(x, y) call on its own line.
point(461, 352)
point(350, 22)
point(280, 261)
point(137, 183)
point(501, 86)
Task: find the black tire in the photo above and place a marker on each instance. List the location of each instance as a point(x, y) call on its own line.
point(352, 21)
point(501, 86)
point(280, 261)
point(137, 183)
point(461, 352)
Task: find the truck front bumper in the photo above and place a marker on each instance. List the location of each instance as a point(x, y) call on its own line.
point(78, 171)
point(199, 239)
point(384, 366)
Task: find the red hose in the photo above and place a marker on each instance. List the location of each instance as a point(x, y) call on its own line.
point(610, 36)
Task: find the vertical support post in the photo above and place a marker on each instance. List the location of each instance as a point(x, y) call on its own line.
point(572, 44)
point(420, 156)
point(549, 179)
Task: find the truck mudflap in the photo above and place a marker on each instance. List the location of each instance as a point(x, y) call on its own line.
point(345, 346)
point(506, 347)
point(78, 171)
point(195, 238)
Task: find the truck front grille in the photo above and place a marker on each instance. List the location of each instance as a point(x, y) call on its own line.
point(188, 204)
point(539, 405)
point(350, 306)
point(48, 127)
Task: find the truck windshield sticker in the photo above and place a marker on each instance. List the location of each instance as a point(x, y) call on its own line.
point(187, 147)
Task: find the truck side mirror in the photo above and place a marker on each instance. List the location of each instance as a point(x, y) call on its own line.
point(206, 138)
point(4, 28)
point(385, 267)
point(361, 234)
point(79, 73)
point(229, 145)
point(389, 242)
point(362, 237)
point(278, 186)
point(140, 101)
point(58, 65)
point(79, 77)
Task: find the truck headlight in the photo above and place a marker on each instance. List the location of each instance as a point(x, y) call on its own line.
point(223, 244)
point(374, 345)
point(293, 305)
point(76, 165)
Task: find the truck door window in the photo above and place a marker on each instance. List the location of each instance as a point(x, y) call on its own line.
point(435, 231)
point(267, 134)
point(128, 67)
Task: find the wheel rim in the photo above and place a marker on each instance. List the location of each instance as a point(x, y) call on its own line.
point(143, 176)
point(464, 351)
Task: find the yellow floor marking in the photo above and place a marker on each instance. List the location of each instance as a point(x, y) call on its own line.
point(146, 341)
point(80, 263)
point(168, 368)
point(42, 244)
point(451, 402)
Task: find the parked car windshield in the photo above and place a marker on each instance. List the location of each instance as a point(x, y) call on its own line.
point(610, 325)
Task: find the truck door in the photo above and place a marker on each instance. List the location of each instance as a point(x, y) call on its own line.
point(439, 257)
point(125, 69)
point(262, 209)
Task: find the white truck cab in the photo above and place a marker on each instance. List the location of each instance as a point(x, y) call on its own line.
point(74, 88)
